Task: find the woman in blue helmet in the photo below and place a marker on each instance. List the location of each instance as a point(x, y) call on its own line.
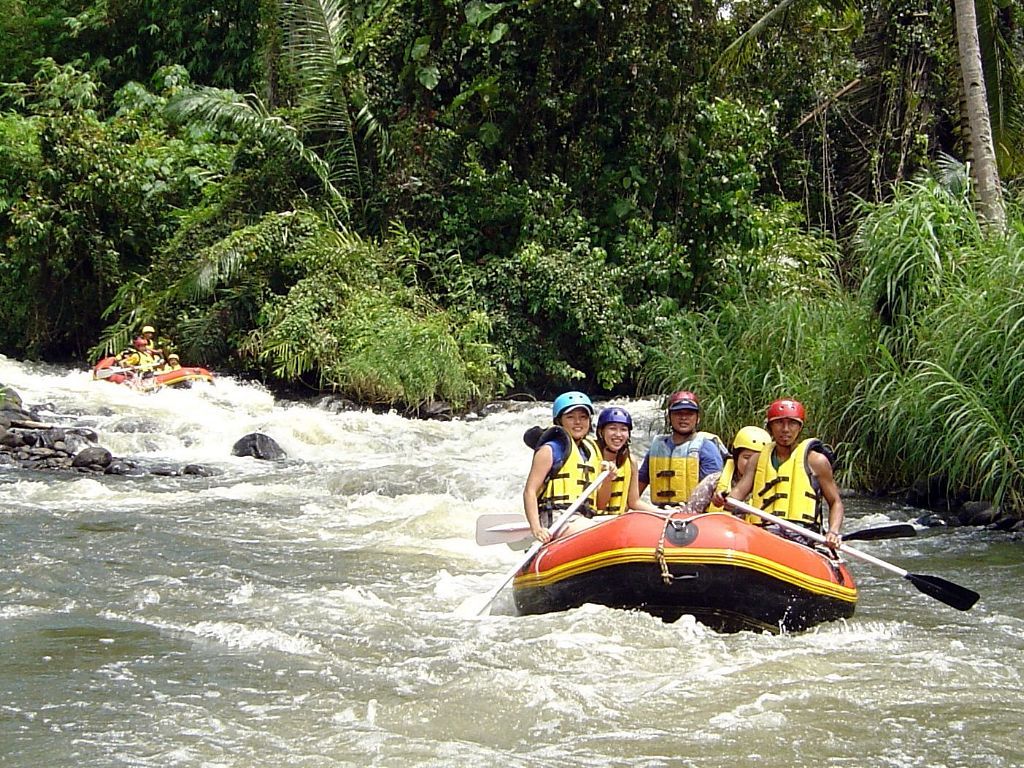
point(565, 461)
point(620, 493)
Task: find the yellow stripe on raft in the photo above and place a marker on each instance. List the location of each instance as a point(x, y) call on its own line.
point(692, 556)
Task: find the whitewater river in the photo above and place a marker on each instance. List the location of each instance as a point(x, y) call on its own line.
point(306, 613)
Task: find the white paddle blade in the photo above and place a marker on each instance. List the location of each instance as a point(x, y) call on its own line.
point(501, 528)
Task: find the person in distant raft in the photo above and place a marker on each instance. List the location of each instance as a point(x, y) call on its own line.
point(148, 333)
point(620, 493)
point(790, 478)
point(139, 358)
point(676, 462)
point(746, 446)
point(565, 461)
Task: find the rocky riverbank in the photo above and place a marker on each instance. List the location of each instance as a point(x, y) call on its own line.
point(31, 443)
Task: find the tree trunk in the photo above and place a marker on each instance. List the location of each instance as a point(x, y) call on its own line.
point(983, 154)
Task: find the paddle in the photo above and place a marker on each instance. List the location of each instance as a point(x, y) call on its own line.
point(106, 373)
point(888, 531)
point(501, 528)
point(555, 528)
point(947, 592)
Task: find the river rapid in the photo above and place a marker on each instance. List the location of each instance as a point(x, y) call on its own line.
point(306, 613)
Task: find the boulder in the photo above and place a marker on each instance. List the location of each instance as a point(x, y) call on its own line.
point(438, 410)
point(198, 470)
point(93, 456)
point(259, 446)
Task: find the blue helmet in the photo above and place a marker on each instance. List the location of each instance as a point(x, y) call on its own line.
point(568, 400)
point(615, 415)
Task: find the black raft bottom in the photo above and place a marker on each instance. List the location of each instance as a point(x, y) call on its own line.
point(726, 598)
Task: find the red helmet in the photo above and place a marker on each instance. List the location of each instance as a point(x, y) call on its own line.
point(684, 400)
point(140, 343)
point(785, 409)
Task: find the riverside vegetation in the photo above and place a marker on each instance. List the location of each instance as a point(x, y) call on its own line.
point(407, 202)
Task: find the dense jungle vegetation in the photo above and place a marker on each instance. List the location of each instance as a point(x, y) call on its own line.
point(416, 200)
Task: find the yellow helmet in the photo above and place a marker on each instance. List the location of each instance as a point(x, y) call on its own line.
point(148, 329)
point(752, 438)
point(173, 356)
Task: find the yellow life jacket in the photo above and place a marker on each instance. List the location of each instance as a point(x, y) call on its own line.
point(791, 491)
point(566, 482)
point(619, 498)
point(133, 358)
point(724, 483)
point(674, 470)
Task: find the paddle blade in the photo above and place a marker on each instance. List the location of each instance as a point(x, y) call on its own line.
point(894, 531)
point(501, 528)
point(949, 593)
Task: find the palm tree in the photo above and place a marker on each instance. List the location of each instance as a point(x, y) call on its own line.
point(331, 120)
point(983, 168)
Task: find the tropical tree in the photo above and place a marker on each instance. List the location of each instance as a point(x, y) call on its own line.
point(982, 149)
point(330, 122)
point(901, 63)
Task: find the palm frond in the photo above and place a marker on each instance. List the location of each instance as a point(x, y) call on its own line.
point(246, 116)
point(741, 50)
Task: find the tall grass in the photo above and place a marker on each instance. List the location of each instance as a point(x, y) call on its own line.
point(918, 374)
point(813, 345)
point(945, 397)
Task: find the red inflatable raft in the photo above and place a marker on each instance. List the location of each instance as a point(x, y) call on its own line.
point(108, 369)
point(727, 573)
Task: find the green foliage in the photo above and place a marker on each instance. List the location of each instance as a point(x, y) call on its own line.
point(812, 343)
point(910, 248)
point(350, 319)
point(91, 198)
point(945, 396)
point(207, 301)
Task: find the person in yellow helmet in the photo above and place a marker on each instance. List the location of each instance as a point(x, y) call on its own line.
point(746, 445)
point(149, 334)
point(173, 362)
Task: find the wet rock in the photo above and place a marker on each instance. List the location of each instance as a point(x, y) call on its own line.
point(1005, 521)
point(12, 439)
point(85, 433)
point(93, 456)
point(198, 470)
point(123, 467)
point(437, 410)
point(336, 404)
point(259, 446)
point(978, 513)
point(507, 406)
point(9, 398)
point(931, 520)
point(52, 437)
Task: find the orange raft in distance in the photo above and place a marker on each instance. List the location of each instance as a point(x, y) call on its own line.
point(108, 369)
point(727, 573)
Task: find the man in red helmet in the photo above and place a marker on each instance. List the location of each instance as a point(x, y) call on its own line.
point(676, 462)
point(790, 478)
